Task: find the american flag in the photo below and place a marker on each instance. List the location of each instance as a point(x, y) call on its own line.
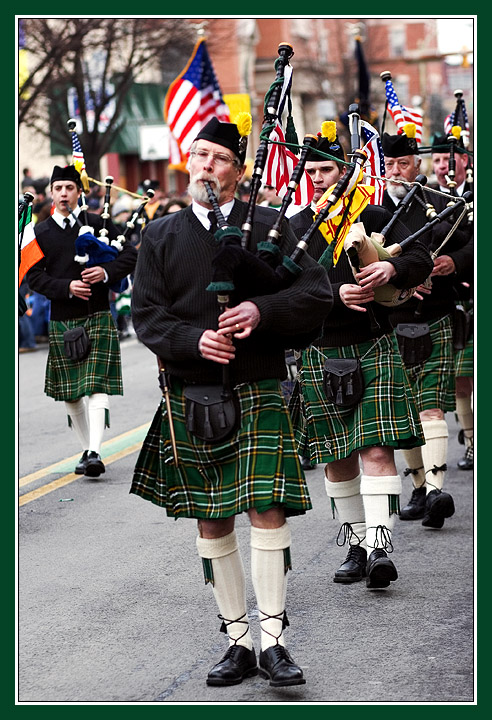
point(449, 121)
point(79, 161)
point(402, 115)
point(375, 161)
point(192, 99)
point(281, 161)
point(77, 154)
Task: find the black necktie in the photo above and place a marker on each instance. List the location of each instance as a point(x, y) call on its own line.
point(67, 223)
point(213, 222)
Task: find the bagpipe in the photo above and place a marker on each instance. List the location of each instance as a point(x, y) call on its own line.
point(373, 249)
point(237, 268)
point(25, 203)
point(92, 250)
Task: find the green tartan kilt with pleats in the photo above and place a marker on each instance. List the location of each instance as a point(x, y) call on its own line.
point(464, 359)
point(433, 381)
point(385, 416)
point(100, 372)
point(258, 467)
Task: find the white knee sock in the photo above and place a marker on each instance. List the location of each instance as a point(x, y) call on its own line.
point(465, 417)
point(434, 452)
point(228, 584)
point(377, 494)
point(347, 500)
point(97, 405)
point(413, 458)
point(269, 575)
point(77, 412)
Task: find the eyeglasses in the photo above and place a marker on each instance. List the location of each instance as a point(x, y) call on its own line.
point(218, 158)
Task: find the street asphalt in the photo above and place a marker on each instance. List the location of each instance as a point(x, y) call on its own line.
point(113, 609)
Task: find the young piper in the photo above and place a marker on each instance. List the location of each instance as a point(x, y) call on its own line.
point(79, 297)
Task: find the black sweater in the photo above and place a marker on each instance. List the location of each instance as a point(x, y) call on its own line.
point(345, 326)
point(171, 306)
point(52, 275)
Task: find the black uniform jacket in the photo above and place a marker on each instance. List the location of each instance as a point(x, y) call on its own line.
point(52, 275)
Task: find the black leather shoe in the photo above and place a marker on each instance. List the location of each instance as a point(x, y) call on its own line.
point(438, 505)
point(94, 465)
point(466, 462)
point(353, 567)
point(277, 666)
point(82, 464)
point(238, 663)
point(415, 509)
point(306, 464)
point(380, 570)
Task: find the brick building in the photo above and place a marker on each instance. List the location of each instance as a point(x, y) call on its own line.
point(325, 81)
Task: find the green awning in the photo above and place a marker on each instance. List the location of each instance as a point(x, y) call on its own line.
point(143, 105)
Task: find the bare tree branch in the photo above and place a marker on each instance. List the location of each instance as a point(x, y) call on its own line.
point(64, 52)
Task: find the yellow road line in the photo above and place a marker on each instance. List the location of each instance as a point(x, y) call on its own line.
point(67, 479)
point(53, 468)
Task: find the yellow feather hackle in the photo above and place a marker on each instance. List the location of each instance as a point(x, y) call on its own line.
point(456, 131)
point(409, 130)
point(329, 130)
point(244, 123)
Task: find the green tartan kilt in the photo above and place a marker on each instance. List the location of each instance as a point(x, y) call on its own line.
point(100, 372)
point(464, 360)
point(386, 415)
point(257, 468)
point(433, 381)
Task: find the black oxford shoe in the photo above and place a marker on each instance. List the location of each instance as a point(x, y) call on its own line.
point(82, 464)
point(306, 464)
point(94, 465)
point(415, 509)
point(380, 570)
point(277, 666)
point(238, 663)
point(438, 506)
point(353, 567)
point(466, 462)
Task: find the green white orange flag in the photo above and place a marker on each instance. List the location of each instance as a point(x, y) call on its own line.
point(30, 252)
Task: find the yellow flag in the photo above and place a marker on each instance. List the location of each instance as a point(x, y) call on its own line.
point(360, 198)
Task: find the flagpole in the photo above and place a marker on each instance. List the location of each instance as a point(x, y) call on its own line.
point(84, 207)
point(385, 75)
point(24, 206)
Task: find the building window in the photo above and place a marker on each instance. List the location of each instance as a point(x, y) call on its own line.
point(397, 41)
point(302, 28)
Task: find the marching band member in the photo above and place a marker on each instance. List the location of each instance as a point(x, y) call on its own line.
point(464, 355)
point(256, 469)
point(367, 426)
point(79, 300)
point(429, 354)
